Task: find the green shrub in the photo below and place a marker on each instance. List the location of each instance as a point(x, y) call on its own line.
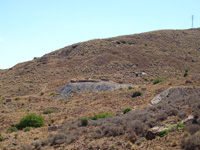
point(180, 125)
point(130, 88)
point(27, 129)
point(52, 120)
point(31, 120)
point(1, 138)
point(11, 130)
point(127, 110)
point(164, 132)
point(42, 93)
point(17, 98)
point(22, 104)
point(48, 111)
point(185, 74)
point(100, 116)
point(84, 122)
point(2, 98)
point(156, 81)
point(170, 84)
point(137, 93)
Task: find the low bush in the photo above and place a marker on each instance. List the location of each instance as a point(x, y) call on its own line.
point(1, 138)
point(156, 81)
point(130, 88)
point(180, 125)
point(84, 122)
point(31, 120)
point(137, 93)
point(191, 142)
point(192, 128)
point(164, 132)
point(48, 111)
point(100, 116)
point(11, 130)
point(161, 116)
point(27, 129)
point(127, 110)
point(17, 98)
point(186, 73)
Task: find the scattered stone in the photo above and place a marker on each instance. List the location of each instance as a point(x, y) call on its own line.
point(53, 128)
point(143, 89)
point(155, 131)
point(160, 96)
point(189, 118)
point(188, 82)
point(8, 100)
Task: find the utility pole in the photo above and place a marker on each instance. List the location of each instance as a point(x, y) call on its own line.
point(192, 20)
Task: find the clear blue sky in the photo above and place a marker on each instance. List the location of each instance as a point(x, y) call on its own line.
point(32, 28)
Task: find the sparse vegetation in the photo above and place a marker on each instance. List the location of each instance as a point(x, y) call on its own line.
point(27, 129)
point(52, 120)
point(48, 111)
point(164, 132)
point(100, 116)
point(3, 98)
point(11, 130)
point(156, 81)
point(180, 125)
point(127, 110)
point(54, 94)
point(115, 60)
point(1, 138)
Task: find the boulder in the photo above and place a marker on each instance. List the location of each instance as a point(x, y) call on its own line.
point(8, 100)
point(155, 131)
point(53, 128)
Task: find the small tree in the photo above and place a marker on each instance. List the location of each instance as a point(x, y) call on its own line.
point(31, 120)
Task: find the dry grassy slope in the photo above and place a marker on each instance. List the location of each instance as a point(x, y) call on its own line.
point(164, 54)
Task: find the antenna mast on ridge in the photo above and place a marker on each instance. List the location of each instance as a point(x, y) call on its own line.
point(192, 20)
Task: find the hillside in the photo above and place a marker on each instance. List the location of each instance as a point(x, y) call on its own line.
point(36, 86)
point(164, 54)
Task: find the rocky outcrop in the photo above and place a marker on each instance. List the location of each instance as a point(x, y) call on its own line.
point(177, 93)
point(82, 87)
